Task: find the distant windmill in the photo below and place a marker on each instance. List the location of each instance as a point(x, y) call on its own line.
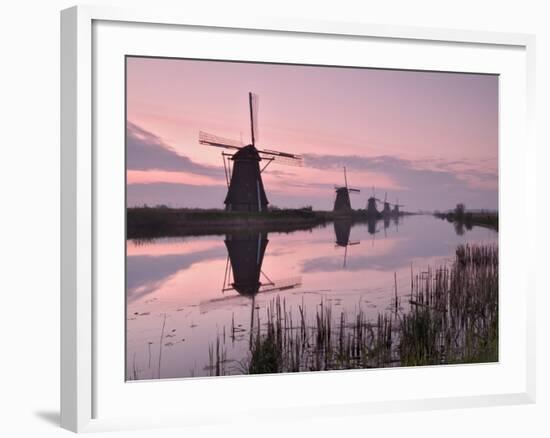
point(342, 202)
point(396, 206)
point(372, 210)
point(386, 212)
point(245, 187)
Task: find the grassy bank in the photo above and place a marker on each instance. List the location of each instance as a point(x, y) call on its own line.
point(149, 222)
point(451, 317)
point(161, 222)
point(470, 219)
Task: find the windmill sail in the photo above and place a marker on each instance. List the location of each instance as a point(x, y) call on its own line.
point(281, 285)
point(281, 157)
point(245, 187)
point(221, 142)
point(253, 101)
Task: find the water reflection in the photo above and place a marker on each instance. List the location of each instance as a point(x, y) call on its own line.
point(372, 225)
point(245, 255)
point(243, 269)
point(206, 284)
point(342, 230)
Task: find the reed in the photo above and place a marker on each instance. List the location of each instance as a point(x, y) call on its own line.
point(217, 358)
point(452, 317)
point(160, 343)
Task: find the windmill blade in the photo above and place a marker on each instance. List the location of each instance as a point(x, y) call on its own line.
point(272, 286)
point(221, 142)
point(355, 242)
point(345, 176)
point(282, 284)
point(282, 157)
point(354, 190)
point(254, 102)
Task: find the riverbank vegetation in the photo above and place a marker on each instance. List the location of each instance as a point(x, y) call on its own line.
point(449, 316)
point(162, 221)
point(464, 219)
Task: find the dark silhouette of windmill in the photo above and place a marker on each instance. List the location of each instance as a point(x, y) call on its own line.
point(244, 179)
point(372, 210)
point(386, 212)
point(342, 230)
point(342, 203)
point(243, 270)
point(396, 206)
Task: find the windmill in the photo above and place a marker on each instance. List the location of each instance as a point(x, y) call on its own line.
point(372, 210)
point(386, 212)
point(342, 202)
point(396, 206)
point(342, 229)
point(243, 270)
point(244, 178)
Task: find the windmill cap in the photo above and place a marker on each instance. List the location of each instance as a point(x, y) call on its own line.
point(247, 153)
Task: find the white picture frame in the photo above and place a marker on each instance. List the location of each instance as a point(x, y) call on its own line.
point(81, 312)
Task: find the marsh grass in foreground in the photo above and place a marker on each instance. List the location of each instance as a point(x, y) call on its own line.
point(452, 317)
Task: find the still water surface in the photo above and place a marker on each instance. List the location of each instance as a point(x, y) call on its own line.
point(185, 293)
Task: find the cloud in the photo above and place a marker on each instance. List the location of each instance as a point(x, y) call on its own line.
point(428, 183)
point(146, 151)
point(158, 174)
point(176, 195)
point(407, 174)
point(146, 274)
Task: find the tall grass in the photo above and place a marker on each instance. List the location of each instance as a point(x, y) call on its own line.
point(452, 317)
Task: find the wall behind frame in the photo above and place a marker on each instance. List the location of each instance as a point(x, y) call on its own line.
point(29, 86)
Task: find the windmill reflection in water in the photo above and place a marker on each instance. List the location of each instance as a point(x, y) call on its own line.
point(243, 270)
point(342, 230)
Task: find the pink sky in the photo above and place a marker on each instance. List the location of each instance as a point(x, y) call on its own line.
point(429, 138)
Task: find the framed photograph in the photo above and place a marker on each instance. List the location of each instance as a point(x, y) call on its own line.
point(324, 215)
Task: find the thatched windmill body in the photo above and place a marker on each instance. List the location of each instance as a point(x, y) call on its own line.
point(242, 166)
point(342, 203)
